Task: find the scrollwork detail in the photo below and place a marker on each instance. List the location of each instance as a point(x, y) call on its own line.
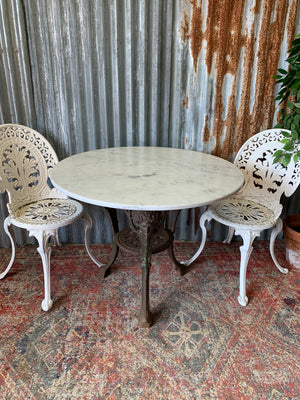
point(26, 158)
point(265, 181)
point(150, 221)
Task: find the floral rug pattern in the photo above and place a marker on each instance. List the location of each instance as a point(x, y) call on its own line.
point(203, 344)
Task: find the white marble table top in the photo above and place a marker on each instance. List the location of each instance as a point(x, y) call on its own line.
point(146, 178)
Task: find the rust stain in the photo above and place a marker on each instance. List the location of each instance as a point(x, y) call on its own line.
point(206, 132)
point(277, 31)
point(226, 40)
point(291, 26)
point(215, 26)
point(270, 39)
point(185, 28)
point(263, 53)
point(186, 102)
point(196, 36)
point(257, 7)
point(229, 124)
point(230, 41)
point(243, 117)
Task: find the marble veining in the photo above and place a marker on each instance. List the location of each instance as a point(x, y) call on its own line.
point(146, 178)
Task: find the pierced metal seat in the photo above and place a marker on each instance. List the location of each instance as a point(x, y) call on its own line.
point(256, 206)
point(26, 158)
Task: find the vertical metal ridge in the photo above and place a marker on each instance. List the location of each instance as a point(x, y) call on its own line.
point(128, 77)
point(15, 72)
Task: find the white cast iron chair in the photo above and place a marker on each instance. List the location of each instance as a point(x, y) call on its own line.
point(256, 206)
point(26, 158)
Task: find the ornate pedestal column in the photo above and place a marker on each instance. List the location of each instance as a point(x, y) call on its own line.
point(146, 224)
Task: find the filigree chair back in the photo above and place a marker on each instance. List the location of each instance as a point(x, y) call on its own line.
point(26, 158)
point(265, 182)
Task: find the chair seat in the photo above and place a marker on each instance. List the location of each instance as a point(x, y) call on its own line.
point(239, 212)
point(47, 213)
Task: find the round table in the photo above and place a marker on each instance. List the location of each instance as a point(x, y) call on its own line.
point(147, 183)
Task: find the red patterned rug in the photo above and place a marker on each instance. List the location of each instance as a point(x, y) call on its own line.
point(203, 345)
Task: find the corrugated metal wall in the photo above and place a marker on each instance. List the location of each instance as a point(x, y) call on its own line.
point(100, 73)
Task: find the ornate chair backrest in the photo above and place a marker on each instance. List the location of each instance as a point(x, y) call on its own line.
point(265, 182)
point(25, 160)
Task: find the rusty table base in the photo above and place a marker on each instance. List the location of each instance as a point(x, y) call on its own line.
point(148, 234)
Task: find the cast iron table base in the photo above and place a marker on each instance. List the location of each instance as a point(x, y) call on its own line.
point(150, 232)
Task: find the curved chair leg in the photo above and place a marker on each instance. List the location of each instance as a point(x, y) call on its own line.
point(246, 250)
point(89, 223)
point(277, 228)
point(10, 234)
point(88, 227)
point(206, 216)
point(229, 235)
point(45, 252)
point(55, 238)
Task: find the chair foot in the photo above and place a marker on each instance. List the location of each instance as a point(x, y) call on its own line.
point(243, 300)
point(283, 270)
point(245, 250)
point(47, 304)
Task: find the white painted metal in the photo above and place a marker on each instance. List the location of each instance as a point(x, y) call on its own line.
point(256, 206)
point(26, 158)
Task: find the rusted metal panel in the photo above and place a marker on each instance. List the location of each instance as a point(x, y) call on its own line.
point(194, 74)
point(235, 48)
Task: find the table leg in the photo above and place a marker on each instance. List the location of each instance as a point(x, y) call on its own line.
point(145, 223)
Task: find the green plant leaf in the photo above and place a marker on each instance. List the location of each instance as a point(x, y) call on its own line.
point(278, 153)
point(296, 158)
point(282, 71)
point(296, 41)
point(286, 135)
point(287, 121)
point(297, 120)
point(289, 83)
point(289, 146)
point(295, 86)
point(288, 79)
point(286, 159)
point(294, 134)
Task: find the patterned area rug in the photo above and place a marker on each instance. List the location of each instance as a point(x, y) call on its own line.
point(203, 345)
